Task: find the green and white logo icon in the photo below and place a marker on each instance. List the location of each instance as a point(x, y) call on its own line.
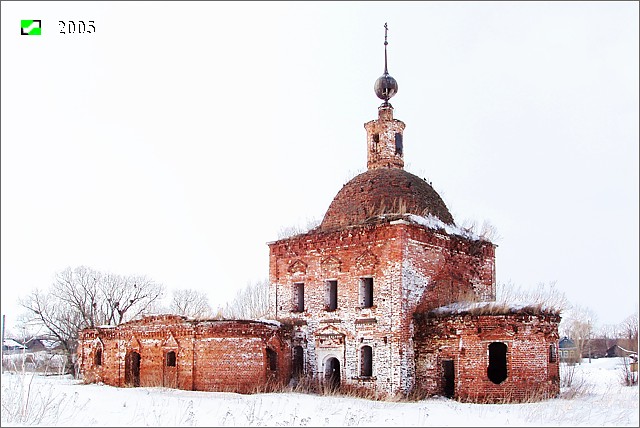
point(30, 27)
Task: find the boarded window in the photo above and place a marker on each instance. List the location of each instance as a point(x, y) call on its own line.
point(366, 361)
point(298, 361)
point(366, 292)
point(98, 357)
point(171, 359)
point(497, 370)
point(272, 360)
point(298, 297)
point(331, 295)
point(553, 356)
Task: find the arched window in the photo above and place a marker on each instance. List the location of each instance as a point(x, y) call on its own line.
point(98, 357)
point(272, 360)
point(497, 370)
point(366, 361)
point(171, 359)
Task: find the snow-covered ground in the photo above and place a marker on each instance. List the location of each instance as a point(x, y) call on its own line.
point(601, 400)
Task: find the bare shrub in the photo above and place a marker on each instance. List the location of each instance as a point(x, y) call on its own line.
point(250, 302)
point(545, 297)
point(572, 386)
point(629, 370)
point(24, 404)
point(190, 303)
point(298, 229)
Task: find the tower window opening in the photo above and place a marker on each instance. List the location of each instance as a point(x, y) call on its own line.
point(98, 357)
point(331, 295)
point(398, 144)
point(366, 292)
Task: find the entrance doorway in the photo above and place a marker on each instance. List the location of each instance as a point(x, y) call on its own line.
point(449, 378)
point(132, 369)
point(298, 362)
point(332, 373)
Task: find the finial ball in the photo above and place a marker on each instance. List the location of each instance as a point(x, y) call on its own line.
point(385, 87)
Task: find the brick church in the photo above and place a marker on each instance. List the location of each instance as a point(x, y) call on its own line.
point(387, 294)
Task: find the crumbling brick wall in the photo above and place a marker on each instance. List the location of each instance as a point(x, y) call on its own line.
point(532, 367)
point(207, 355)
point(404, 259)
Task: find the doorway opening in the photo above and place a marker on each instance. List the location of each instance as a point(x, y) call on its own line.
point(448, 373)
point(332, 373)
point(132, 369)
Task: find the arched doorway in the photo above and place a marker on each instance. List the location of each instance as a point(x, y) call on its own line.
point(132, 369)
point(332, 373)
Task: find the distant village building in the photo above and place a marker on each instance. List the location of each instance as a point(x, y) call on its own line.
point(386, 294)
point(568, 350)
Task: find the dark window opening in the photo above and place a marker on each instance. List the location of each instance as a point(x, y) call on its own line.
point(398, 144)
point(171, 359)
point(298, 361)
point(98, 357)
point(298, 297)
point(497, 370)
point(376, 138)
point(366, 361)
point(272, 359)
point(553, 354)
point(448, 373)
point(332, 295)
point(366, 292)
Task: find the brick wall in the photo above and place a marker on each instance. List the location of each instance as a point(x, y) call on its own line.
point(465, 340)
point(209, 355)
point(409, 264)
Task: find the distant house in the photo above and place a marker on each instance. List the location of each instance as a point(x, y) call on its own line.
point(619, 351)
point(10, 345)
point(568, 350)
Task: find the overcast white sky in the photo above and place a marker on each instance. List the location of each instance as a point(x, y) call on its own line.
point(180, 138)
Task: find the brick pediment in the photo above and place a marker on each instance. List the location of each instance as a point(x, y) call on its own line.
point(366, 260)
point(134, 343)
point(329, 331)
point(170, 342)
point(331, 264)
point(297, 267)
point(329, 337)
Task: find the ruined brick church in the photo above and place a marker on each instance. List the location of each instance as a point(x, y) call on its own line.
point(386, 294)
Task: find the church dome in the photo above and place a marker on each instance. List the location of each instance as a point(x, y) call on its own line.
point(383, 191)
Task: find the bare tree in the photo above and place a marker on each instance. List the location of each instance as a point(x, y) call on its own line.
point(85, 298)
point(250, 302)
point(629, 332)
point(579, 325)
point(191, 303)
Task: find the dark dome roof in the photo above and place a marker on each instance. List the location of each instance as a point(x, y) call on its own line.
point(383, 191)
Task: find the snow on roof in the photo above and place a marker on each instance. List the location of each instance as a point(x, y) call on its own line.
point(268, 321)
point(491, 308)
point(10, 343)
point(435, 223)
